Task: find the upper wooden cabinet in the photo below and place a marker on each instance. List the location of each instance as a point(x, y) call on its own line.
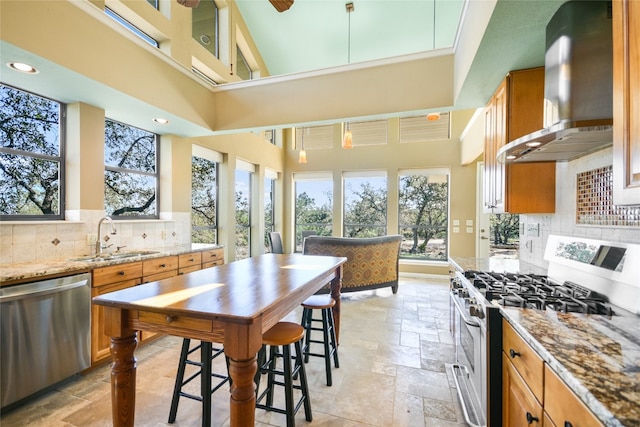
point(515, 110)
point(626, 102)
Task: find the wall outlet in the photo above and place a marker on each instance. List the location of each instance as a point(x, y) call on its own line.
point(92, 239)
point(533, 230)
point(163, 234)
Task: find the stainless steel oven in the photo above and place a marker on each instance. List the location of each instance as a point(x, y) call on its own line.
point(477, 334)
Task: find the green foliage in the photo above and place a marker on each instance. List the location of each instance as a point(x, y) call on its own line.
point(30, 161)
point(504, 228)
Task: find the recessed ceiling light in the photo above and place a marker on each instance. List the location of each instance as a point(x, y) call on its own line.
point(511, 157)
point(161, 121)
point(534, 144)
point(22, 67)
point(205, 39)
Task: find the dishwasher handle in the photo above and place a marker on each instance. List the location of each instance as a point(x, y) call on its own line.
point(42, 291)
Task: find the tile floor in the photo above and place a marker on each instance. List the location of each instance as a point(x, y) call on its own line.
point(395, 354)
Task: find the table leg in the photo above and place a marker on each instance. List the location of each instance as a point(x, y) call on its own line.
point(243, 391)
point(123, 380)
point(336, 285)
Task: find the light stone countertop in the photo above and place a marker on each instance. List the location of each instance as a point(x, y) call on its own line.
point(22, 272)
point(597, 356)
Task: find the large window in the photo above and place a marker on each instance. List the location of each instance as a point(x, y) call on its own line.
point(131, 171)
point(269, 216)
point(423, 212)
point(244, 172)
point(314, 206)
point(31, 156)
point(204, 26)
point(365, 204)
point(204, 196)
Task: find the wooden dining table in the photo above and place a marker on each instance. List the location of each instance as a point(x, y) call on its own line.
point(233, 304)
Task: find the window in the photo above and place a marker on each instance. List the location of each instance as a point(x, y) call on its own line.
point(128, 25)
point(269, 217)
point(204, 195)
point(153, 3)
point(419, 129)
point(423, 201)
point(204, 26)
point(369, 133)
point(31, 156)
point(365, 204)
point(315, 137)
point(244, 173)
point(242, 68)
point(131, 171)
point(314, 205)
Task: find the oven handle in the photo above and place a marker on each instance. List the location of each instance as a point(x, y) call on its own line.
point(463, 315)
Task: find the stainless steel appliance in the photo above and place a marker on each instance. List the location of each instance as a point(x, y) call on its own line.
point(45, 334)
point(584, 276)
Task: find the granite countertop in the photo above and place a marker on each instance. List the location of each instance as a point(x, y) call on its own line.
point(19, 272)
point(597, 356)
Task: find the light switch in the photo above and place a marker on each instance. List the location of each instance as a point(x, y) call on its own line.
point(469, 229)
point(456, 229)
point(469, 222)
point(456, 222)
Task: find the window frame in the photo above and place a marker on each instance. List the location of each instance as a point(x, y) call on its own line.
point(156, 175)
point(132, 28)
point(61, 159)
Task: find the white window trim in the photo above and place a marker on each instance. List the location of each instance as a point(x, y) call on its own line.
point(206, 153)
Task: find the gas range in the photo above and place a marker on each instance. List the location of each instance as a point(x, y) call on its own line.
point(538, 292)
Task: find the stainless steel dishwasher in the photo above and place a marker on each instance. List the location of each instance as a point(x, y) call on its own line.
point(45, 334)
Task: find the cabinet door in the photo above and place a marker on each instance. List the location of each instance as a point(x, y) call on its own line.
point(519, 406)
point(626, 102)
point(563, 406)
point(495, 133)
point(100, 343)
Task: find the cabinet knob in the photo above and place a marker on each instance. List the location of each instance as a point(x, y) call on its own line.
point(163, 265)
point(513, 353)
point(191, 259)
point(121, 273)
point(170, 318)
point(531, 418)
point(567, 424)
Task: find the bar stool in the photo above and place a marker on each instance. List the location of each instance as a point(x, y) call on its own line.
point(279, 339)
point(324, 304)
point(207, 354)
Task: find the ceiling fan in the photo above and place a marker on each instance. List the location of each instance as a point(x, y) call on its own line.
point(280, 5)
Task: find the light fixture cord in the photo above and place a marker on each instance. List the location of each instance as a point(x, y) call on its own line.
point(434, 24)
point(349, 41)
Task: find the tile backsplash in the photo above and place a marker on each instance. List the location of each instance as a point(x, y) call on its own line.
point(564, 222)
point(23, 241)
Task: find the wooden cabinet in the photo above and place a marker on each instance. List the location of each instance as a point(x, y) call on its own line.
point(532, 394)
point(562, 406)
point(125, 275)
point(515, 110)
point(212, 257)
point(626, 102)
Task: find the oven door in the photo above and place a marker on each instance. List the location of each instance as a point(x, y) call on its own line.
point(469, 371)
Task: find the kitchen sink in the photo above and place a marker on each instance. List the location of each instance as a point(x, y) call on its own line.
point(113, 256)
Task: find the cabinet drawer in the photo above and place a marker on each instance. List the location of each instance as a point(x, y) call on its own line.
point(189, 260)
point(525, 360)
point(175, 321)
point(159, 276)
point(213, 255)
point(563, 406)
point(520, 407)
point(159, 265)
point(189, 269)
point(212, 263)
point(117, 273)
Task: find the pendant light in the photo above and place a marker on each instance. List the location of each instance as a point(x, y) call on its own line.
point(347, 138)
point(302, 157)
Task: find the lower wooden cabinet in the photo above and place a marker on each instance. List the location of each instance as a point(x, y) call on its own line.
point(533, 394)
point(128, 274)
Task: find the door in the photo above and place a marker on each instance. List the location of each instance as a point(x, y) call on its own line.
point(482, 217)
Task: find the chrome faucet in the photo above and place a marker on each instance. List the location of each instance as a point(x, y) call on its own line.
point(99, 246)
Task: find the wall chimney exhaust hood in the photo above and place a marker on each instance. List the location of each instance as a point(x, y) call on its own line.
point(578, 87)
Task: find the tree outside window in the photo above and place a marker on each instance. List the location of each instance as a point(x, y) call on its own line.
point(31, 156)
point(204, 198)
point(314, 209)
point(131, 171)
point(423, 212)
point(243, 214)
point(269, 185)
point(365, 206)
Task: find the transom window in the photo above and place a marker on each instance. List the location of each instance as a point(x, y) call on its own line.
point(129, 26)
point(131, 171)
point(243, 70)
point(365, 204)
point(31, 156)
point(205, 26)
point(423, 203)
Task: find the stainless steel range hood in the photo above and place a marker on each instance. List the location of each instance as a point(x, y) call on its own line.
point(578, 87)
